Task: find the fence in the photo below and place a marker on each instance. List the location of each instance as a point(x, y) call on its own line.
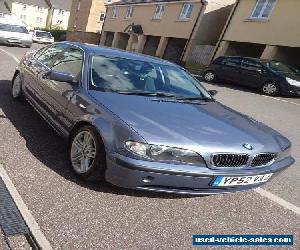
point(83, 37)
point(201, 54)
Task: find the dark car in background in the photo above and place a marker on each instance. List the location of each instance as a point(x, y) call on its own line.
point(269, 76)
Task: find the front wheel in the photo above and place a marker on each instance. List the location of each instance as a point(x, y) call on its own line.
point(87, 154)
point(270, 88)
point(16, 89)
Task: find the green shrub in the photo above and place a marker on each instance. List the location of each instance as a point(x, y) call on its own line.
point(57, 33)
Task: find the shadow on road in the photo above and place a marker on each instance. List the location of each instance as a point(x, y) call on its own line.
point(50, 149)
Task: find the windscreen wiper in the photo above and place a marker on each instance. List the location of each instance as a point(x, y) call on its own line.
point(196, 99)
point(157, 94)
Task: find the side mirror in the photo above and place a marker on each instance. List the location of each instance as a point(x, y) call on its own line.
point(62, 77)
point(213, 92)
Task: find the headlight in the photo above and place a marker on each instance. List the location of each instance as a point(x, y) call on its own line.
point(285, 146)
point(163, 153)
point(293, 82)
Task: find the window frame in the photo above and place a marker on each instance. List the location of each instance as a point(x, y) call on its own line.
point(159, 11)
point(184, 11)
point(129, 12)
point(114, 12)
point(67, 49)
point(264, 7)
point(259, 65)
point(224, 59)
point(101, 14)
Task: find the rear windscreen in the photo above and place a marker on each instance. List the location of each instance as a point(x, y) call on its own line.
point(13, 28)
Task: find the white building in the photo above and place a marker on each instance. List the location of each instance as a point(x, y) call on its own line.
point(59, 13)
point(33, 12)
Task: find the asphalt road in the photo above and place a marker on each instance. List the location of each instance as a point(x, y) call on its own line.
point(77, 215)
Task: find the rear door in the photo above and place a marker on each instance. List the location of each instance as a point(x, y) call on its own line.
point(59, 94)
point(230, 69)
point(252, 73)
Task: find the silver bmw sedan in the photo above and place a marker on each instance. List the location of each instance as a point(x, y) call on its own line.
point(143, 123)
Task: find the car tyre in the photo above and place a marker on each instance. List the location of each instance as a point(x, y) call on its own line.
point(87, 154)
point(16, 88)
point(210, 76)
point(270, 89)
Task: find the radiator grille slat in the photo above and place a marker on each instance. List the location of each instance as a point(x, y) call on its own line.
point(229, 160)
point(263, 159)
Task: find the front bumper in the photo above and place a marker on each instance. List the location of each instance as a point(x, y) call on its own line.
point(160, 177)
point(291, 90)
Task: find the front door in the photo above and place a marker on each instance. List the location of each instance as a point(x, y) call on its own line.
point(230, 69)
point(252, 74)
point(59, 94)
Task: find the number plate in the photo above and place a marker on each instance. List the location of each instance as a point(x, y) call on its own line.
point(226, 181)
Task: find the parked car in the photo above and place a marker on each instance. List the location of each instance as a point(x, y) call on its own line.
point(143, 123)
point(269, 76)
point(40, 36)
point(14, 32)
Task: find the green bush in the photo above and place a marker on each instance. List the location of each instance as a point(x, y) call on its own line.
point(58, 34)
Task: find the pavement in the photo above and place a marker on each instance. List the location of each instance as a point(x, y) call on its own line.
point(77, 215)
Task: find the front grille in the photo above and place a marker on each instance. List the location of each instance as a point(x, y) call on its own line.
point(262, 159)
point(229, 160)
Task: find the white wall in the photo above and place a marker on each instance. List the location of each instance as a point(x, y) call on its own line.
point(60, 17)
point(31, 13)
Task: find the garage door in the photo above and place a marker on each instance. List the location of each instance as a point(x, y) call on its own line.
point(109, 39)
point(174, 49)
point(123, 41)
point(151, 45)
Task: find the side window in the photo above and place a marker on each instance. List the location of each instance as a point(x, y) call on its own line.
point(46, 55)
point(70, 61)
point(233, 62)
point(251, 65)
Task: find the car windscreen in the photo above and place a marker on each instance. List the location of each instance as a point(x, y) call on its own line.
point(43, 34)
point(281, 67)
point(115, 74)
point(13, 28)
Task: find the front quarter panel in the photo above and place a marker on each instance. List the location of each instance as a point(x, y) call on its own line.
point(113, 131)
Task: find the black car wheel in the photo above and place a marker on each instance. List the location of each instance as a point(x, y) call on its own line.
point(270, 88)
point(87, 154)
point(210, 76)
point(16, 88)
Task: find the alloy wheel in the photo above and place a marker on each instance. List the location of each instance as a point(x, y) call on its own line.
point(270, 89)
point(83, 152)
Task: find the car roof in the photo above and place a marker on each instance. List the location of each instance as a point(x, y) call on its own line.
point(113, 52)
point(247, 57)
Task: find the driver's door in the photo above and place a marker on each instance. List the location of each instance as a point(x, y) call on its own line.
point(59, 94)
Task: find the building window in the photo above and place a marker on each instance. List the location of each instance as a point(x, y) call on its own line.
point(1, 15)
point(78, 6)
point(108, 1)
point(39, 20)
point(101, 17)
point(40, 9)
point(159, 10)
point(263, 9)
point(24, 7)
point(129, 12)
point(114, 12)
point(59, 22)
point(61, 12)
point(186, 11)
point(23, 17)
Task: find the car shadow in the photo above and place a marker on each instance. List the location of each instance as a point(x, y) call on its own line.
point(50, 149)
